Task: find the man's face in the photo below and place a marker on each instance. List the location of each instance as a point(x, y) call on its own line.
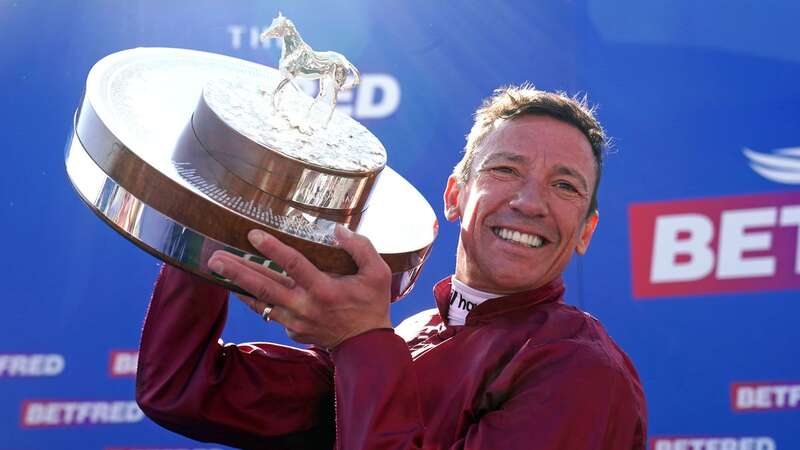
point(524, 209)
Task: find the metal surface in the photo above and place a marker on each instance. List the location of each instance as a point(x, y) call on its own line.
point(137, 162)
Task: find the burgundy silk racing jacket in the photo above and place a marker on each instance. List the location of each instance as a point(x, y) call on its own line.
point(526, 371)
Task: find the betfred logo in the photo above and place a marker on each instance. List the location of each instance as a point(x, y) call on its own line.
point(31, 365)
point(718, 245)
point(47, 413)
point(765, 396)
point(712, 443)
point(122, 363)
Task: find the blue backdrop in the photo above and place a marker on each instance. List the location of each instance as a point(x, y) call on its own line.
point(682, 86)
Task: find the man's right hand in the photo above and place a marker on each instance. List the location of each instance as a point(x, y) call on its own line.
point(315, 307)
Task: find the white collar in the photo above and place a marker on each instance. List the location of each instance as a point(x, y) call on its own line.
point(462, 299)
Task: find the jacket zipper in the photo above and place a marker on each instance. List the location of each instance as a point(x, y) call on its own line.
point(338, 445)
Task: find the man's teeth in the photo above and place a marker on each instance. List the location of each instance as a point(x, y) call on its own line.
point(529, 240)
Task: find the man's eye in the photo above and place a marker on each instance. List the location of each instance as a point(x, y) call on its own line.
point(503, 169)
point(566, 186)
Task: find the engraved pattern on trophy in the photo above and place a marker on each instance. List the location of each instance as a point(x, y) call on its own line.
point(298, 59)
point(308, 227)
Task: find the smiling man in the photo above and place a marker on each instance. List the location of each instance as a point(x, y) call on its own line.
point(525, 203)
point(501, 363)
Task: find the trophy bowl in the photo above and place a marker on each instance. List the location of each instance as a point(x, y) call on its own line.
point(183, 152)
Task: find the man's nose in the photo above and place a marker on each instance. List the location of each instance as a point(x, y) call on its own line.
point(529, 200)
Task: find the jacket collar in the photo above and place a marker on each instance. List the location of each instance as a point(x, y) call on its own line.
point(550, 292)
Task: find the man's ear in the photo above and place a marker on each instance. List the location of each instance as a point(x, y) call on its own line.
point(451, 198)
point(586, 234)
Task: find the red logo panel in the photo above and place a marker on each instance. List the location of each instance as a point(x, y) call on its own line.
point(712, 443)
point(717, 245)
point(123, 363)
point(765, 396)
point(67, 413)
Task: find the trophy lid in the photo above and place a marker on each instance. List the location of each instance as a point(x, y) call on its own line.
point(245, 103)
point(280, 151)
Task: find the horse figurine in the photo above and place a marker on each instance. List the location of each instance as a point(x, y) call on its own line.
point(300, 60)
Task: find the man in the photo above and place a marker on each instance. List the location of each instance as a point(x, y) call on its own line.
point(502, 363)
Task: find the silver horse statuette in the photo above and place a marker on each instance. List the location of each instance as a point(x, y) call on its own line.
point(298, 59)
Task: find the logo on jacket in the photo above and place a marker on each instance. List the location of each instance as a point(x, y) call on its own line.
point(780, 166)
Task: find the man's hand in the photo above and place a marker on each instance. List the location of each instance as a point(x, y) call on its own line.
point(315, 307)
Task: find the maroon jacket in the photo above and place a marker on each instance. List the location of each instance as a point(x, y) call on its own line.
point(526, 371)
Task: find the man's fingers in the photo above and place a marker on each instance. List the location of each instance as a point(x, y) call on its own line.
point(293, 262)
point(252, 280)
point(277, 314)
point(286, 281)
point(361, 249)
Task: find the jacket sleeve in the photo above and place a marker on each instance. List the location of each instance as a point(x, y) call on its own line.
point(250, 395)
point(558, 396)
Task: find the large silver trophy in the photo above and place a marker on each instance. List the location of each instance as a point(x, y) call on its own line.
point(183, 152)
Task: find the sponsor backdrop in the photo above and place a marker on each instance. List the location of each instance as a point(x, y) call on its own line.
point(695, 268)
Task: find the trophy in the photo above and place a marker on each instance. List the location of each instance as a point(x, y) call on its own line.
point(183, 152)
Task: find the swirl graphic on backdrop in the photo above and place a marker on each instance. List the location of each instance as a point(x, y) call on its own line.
point(781, 166)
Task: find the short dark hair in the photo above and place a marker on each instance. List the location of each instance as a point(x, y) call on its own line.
point(509, 102)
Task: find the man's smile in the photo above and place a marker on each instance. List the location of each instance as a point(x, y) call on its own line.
point(520, 238)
